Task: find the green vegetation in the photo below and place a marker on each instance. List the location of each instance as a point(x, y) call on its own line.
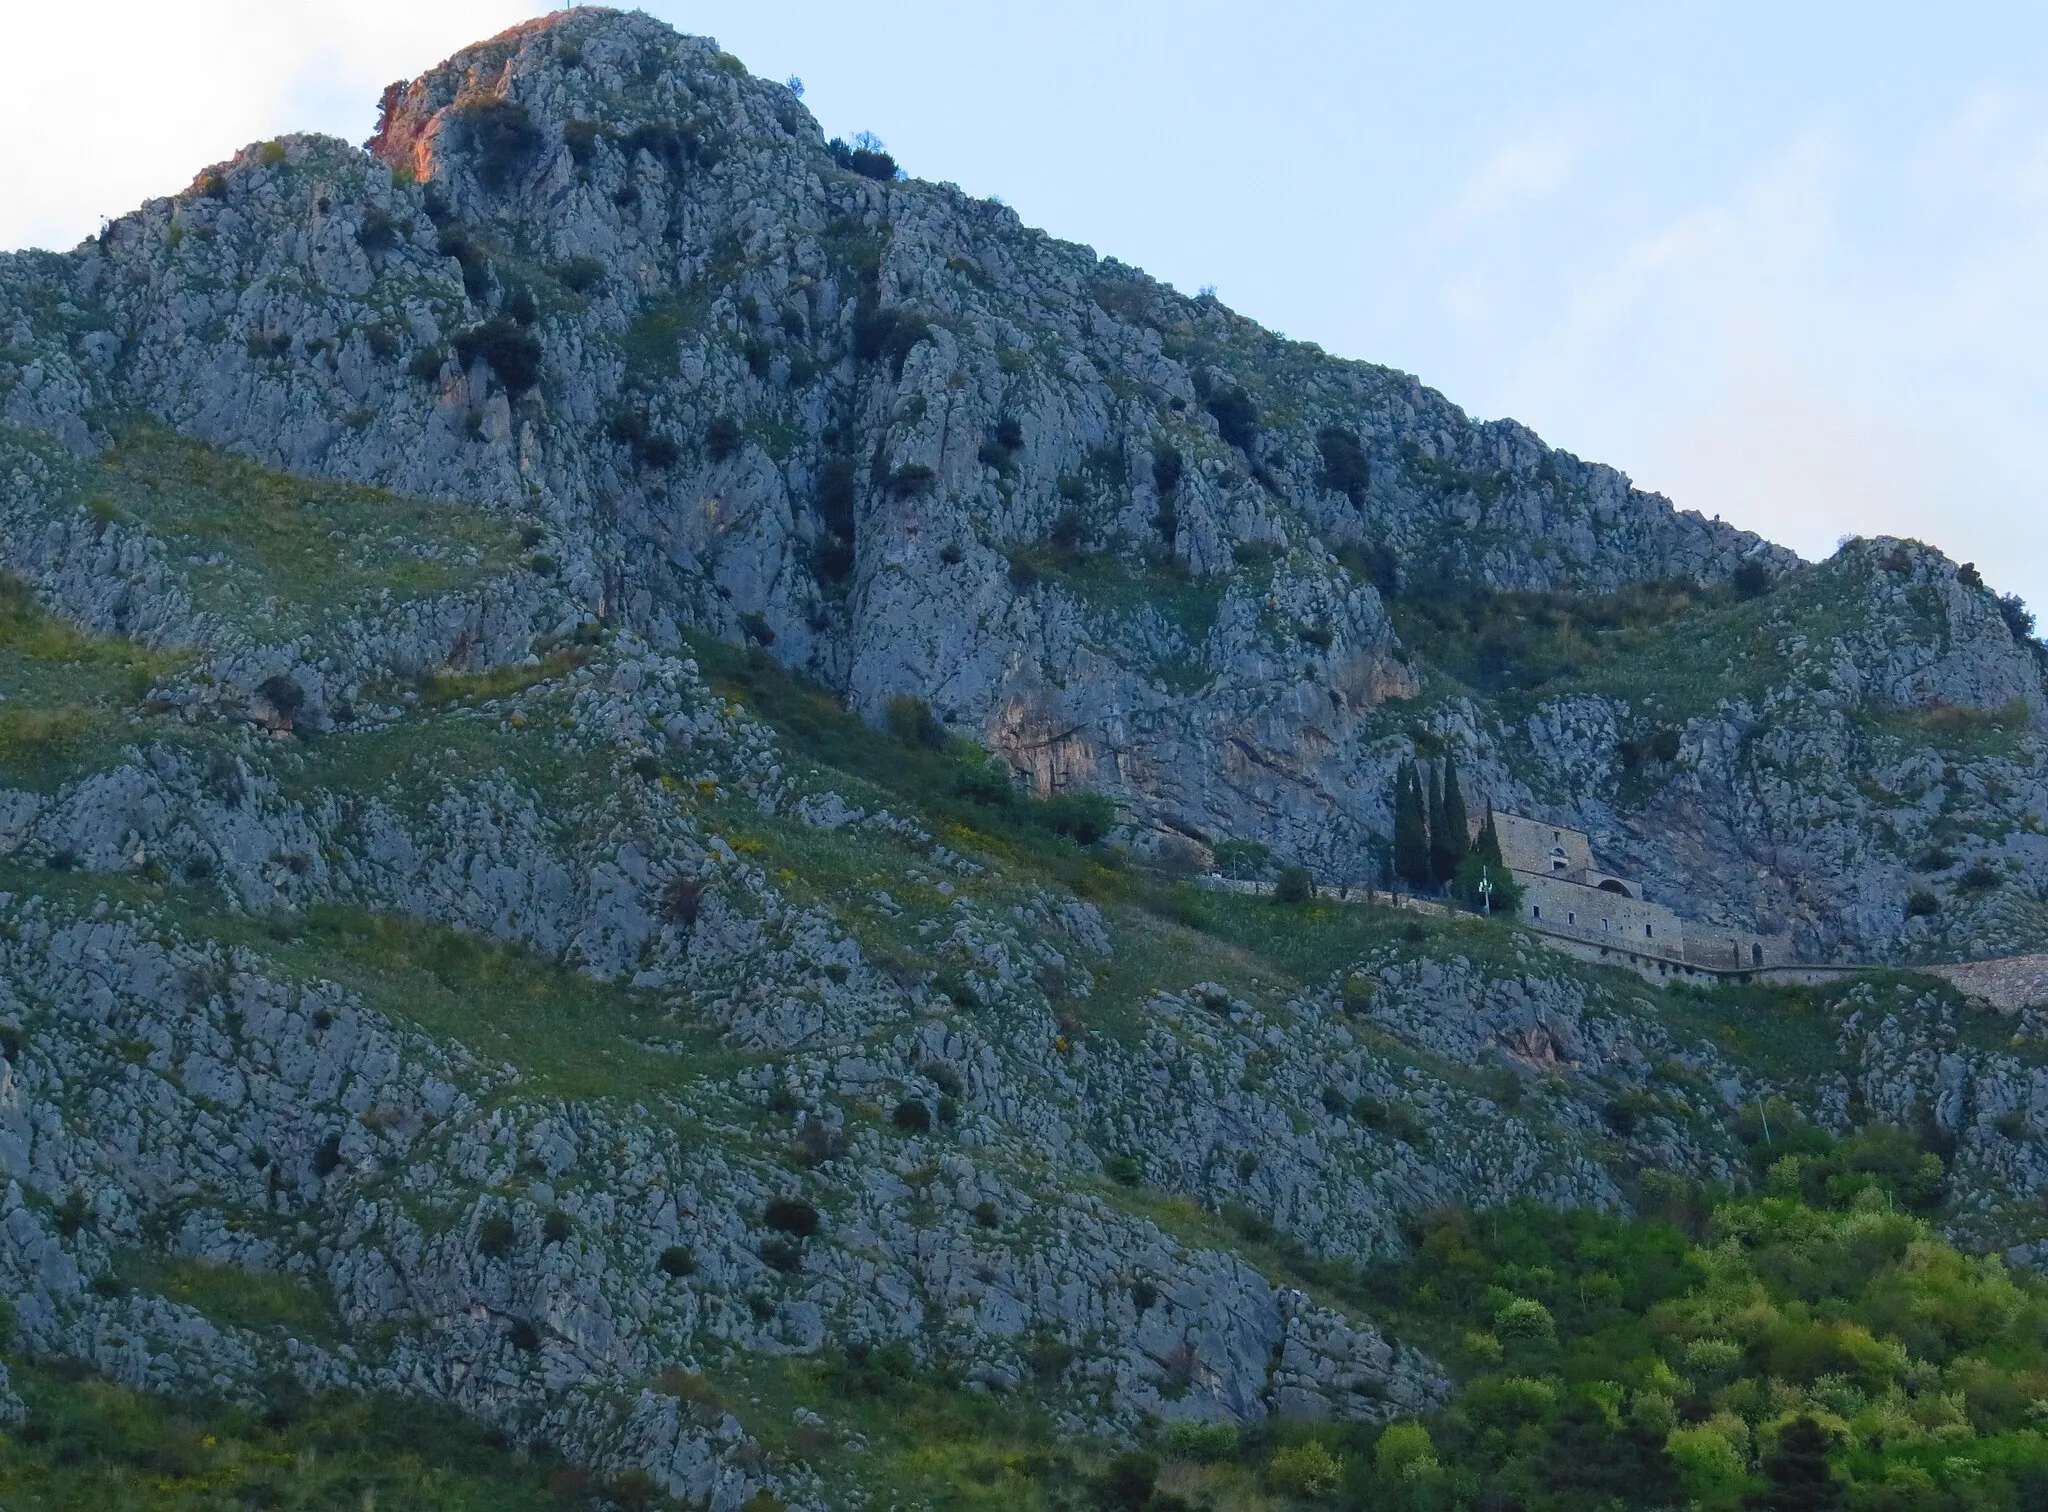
point(91, 1446)
point(569, 1034)
point(63, 692)
point(1501, 642)
point(275, 543)
point(917, 760)
point(1817, 1342)
point(262, 1300)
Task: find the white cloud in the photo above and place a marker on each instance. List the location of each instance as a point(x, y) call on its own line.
point(110, 102)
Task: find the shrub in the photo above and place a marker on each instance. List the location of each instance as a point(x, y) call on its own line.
point(513, 353)
point(1345, 467)
point(1048, 1358)
point(503, 137)
point(282, 694)
point(911, 480)
point(1294, 886)
point(1205, 1443)
point(722, 437)
point(1022, 574)
point(677, 1261)
point(754, 625)
point(379, 232)
point(579, 274)
point(912, 722)
point(1981, 877)
point(1126, 1482)
point(1236, 416)
point(580, 137)
point(1751, 580)
point(1625, 1112)
point(556, 1227)
point(681, 899)
point(866, 157)
point(1921, 904)
point(2018, 618)
point(426, 366)
point(835, 496)
point(912, 1115)
point(1306, 1469)
point(791, 1215)
point(1404, 1452)
point(495, 1234)
point(1124, 1170)
point(817, 1143)
point(1526, 1319)
point(327, 1158)
point(988, 1215)
point(524, 1336)
point(1167, 468)
point(785, 1255)
point(1083, 818)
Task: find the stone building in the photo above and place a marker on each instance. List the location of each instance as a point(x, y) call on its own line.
point(1565, 894)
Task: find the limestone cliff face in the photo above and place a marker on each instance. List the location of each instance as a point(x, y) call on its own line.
point(594, 274)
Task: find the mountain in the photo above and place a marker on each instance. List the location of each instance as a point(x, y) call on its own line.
point(606, 710)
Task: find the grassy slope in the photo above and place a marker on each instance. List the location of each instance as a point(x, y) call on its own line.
point(574, 1037)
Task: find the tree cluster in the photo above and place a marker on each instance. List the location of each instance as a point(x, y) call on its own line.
point(1434, 847)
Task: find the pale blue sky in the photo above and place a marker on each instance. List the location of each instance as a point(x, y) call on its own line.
point(1782, 263)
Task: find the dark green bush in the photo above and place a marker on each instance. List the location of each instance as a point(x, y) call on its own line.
point(513, 353)
point(791, 1215)
point(581, 137)
point(503, 138)
point(1345, 467)
point(722, 437)
point(911, 480)
point(835, 496)
point(379, 231)
point(911, 721)
point(1921, 904)
point(1083, 818)
point(495, 1235)
point(579, 275)
point(426, 367)
point(1167, 468)
point(327, 1159)
point(912, 1115)
point(1236, 416)
point(1294, 886)
point(677, 1261)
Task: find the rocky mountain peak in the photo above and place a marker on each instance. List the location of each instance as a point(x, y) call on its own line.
point(594, 276)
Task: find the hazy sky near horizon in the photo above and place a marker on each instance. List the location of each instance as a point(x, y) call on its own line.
point(1782, 263)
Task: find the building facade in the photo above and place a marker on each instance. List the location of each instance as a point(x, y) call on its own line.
point(1565, 894)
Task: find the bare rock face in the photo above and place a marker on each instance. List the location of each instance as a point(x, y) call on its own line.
point(593, 272)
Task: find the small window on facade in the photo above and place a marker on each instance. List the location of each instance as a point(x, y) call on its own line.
point(1606, 923)
point(1646, 932)
point(1571, 918)
point(1535, 910)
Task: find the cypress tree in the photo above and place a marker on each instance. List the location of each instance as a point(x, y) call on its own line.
point(1411, 839)
point(1449, 841)
point(1488, 843)
point(1442, 864)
